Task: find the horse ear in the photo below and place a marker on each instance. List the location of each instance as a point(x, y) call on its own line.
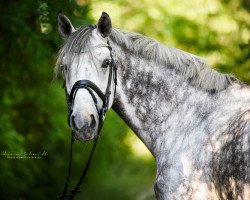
point(104, 25)
point(64, 25)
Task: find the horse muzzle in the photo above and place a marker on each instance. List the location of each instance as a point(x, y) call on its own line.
point(84, 128)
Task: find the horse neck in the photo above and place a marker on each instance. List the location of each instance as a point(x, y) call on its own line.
point(148, 95)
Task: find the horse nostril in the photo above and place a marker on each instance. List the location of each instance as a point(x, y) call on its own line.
point(73, 123)
point(93, 122)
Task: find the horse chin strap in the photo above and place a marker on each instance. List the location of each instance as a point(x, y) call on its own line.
point(70, 98)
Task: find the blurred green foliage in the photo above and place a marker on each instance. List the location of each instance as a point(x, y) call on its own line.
point(33, 111)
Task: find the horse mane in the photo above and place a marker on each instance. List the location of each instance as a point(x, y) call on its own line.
point(192, 67)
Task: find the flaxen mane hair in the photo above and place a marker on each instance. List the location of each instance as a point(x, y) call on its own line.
point(193, 68)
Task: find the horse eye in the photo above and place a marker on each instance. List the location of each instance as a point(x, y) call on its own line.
point(63, 67)
point(106, 63)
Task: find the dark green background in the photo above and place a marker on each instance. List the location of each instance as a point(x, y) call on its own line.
point(32, 105)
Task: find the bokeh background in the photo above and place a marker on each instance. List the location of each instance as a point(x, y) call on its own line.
point(33, 115)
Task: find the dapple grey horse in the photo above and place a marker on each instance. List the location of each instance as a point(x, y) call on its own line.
point(194, 120)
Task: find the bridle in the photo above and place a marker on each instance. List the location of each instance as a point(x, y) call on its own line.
point(70, 98)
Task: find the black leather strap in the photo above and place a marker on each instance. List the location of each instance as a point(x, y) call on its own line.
point(85, 84)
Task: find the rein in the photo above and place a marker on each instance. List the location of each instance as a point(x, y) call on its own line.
point(70, 98)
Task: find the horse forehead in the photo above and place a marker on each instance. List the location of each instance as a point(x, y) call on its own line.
point(97, 39)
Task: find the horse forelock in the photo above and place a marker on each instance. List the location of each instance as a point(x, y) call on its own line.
point(73, 46)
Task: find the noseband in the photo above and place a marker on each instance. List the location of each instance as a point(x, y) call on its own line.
point(70, 98)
